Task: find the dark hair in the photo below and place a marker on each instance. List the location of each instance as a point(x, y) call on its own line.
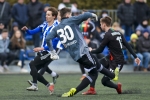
point(63, 12)
point(15, 43)
point(54, 11)
point(107, 20)
point(4, 30)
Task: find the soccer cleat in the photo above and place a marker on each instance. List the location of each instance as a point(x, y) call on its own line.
point(89, 92)
point(55, 78)
point(70, 93)
point(116, 74)
point(51, 88)
point(119, 90)
point(32, 88)
point(82, 78)
point(30, 82)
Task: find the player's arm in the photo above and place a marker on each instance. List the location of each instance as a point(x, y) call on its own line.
point(31, 32)
point(102, 45)
point(125, 43)
point(82, 17)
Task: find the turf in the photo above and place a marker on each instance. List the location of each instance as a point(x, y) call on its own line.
point(136, 86)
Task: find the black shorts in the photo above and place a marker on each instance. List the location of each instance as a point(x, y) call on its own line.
point(113, 65)
point(87, 61)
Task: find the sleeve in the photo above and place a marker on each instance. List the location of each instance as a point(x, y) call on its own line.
point(125, 43)
point(119, 12)
point(102, 45)
point(49, 39)
point(80, 18)
point(34, 31)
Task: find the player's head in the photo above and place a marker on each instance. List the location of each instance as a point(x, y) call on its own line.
point(65, 13)
point(51, 14)
point(105, 22)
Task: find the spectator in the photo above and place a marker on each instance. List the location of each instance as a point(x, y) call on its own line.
point(144, 47)
point(125, 13)
point(46, 6)
point(17, 46)
point(117, 27)
point(74, 9)
point(35, 10)
point(65, 3)
point(1, 27)
point(5, 12)
point(134, 44)
point(141, 11)
point(138, 33)
point(15, 27)
point(143, 26)
point(20, 13)
point(5, 56)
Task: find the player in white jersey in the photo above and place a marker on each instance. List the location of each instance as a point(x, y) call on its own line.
point(42, 60)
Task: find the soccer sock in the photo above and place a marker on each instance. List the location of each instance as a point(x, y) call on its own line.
point(85, 82)
point(106, 72)
point(53, 74)
point(106, 82)
point(83, 74)
point(42, 79)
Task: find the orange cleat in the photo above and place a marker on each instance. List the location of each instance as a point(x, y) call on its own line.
point(51, 88)
point(119, 90)
point(91, 91)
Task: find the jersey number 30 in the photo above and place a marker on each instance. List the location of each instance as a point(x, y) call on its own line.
point(119, 39)
point(65, 35)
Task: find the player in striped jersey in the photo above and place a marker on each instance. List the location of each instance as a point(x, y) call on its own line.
point(43, 59)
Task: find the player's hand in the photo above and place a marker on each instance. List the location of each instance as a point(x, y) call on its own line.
point(54, 55)
point(95, 16)
point(138, 61)
point(24, 28)
point(90, 48)
point(37, 49)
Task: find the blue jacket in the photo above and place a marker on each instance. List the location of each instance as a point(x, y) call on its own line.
point(20, 13)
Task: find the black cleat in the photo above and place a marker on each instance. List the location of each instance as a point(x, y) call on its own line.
point(55, 78)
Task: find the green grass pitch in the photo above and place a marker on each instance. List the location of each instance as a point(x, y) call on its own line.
point(136, 86)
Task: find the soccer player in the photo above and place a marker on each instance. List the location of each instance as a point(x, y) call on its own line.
point(114, 40)
point(42, 60)
point(71, 37)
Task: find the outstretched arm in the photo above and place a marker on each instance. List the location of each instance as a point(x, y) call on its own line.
point(31, 32)
point(82, 17)
point(102, 45)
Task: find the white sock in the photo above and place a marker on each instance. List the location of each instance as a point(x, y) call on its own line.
point(83, 74)
point(53, 74)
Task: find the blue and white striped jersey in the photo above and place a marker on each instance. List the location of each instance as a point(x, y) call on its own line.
point(45, 29)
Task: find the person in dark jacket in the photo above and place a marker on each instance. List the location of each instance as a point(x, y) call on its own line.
point(144, 47)
point(35, 10)
point(141, 11)
point(5, 12)
point(125, 13)
point(15, 27)
point(20, 13)
point(135, 46)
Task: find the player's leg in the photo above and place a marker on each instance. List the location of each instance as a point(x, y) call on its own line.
point(83, 72)
point(87, 61)
point(91, 90)
point(106, 81)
